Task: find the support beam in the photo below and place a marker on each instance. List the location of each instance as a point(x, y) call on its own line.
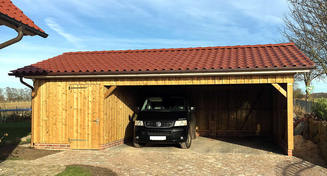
point(109, 91)
point(280, 89)
point(290, 137)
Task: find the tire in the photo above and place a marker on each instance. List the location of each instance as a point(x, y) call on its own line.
point(187, 143)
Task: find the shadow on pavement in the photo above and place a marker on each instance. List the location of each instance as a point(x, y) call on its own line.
point(289, 168)
point(254, 145)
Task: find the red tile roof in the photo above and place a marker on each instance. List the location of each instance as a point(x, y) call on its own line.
point(285, 56)
point(12, 14)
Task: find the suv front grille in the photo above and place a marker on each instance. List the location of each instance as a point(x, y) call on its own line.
point(159, 124)
point(158, 133)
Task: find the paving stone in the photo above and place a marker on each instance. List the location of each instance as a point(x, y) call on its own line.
point(126, 160)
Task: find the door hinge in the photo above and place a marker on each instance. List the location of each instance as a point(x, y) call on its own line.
point(71, 140)
point(73, 87)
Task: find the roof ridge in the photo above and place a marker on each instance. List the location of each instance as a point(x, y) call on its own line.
point(175, 49)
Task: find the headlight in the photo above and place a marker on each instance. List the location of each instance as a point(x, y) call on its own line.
point(138, 123)
point(181, 123)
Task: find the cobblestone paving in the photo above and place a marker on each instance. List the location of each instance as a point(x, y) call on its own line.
point(126, 160)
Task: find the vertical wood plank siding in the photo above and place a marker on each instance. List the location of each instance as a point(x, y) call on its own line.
point(118, 107)
point(103, 120)
point(280, 118)
point(244, 110)
point(290, 137)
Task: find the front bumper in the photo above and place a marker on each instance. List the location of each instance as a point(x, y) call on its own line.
point(173, 135)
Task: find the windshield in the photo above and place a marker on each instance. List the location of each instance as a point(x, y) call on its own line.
point(164, 104)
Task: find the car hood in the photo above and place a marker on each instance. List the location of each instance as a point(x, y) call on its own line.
point(162, 115)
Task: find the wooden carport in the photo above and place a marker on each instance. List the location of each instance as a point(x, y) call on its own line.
point(86, 109)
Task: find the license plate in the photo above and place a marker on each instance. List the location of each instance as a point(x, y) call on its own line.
point(157, 138)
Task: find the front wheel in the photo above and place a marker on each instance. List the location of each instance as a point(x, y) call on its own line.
point(187, 143)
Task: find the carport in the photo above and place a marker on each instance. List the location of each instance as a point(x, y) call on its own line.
point(83, 100)
point(223, 110)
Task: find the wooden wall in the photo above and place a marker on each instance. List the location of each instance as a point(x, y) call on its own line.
point(118, 107)
point(185, 80)
point(280, 118)
point(233, 110)
point(224, 110)
point(65, 112)
point(50, 112)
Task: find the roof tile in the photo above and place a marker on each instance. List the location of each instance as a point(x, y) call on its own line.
point(201, 59)
point(9, 9)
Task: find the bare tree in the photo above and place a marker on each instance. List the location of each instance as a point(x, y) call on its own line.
point(26, 94)
point(307, 79)
point(13, 94)
point(2, 96)
point(306, 26)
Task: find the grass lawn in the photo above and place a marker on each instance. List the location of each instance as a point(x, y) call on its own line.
point(75, 170)
point(84, 170)
point(15, 130)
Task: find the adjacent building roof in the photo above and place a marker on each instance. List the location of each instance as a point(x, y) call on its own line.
point(13, 15)
point(270, 57)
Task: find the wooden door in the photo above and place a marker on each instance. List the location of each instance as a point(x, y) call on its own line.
point(84, 120)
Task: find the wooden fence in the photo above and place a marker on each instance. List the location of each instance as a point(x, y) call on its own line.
point(306, 106)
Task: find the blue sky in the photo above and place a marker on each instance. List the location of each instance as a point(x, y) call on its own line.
point(80, 25)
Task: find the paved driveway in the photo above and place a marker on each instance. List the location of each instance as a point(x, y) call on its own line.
point(206, 157)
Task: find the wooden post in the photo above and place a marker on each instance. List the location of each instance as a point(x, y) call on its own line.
point(33, 94)
point(290, 138)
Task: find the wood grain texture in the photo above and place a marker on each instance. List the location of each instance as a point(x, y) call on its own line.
point(204, 80)
point(85, 121)
point(63, 109)
point(280, 115)
point(290, 136)
point(233, 109)
point(118, 107)
point(109, 91)
point(280, 89)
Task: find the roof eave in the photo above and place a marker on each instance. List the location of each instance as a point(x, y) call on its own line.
point(164, 74)
point(26, 27)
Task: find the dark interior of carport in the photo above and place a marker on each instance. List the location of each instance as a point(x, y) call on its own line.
point(235, 113)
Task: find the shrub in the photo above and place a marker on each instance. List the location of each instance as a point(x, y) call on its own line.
point(319, 108)
point(299, 111)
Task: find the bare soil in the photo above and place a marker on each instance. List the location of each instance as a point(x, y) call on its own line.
point(308, 151)
point(15, 152)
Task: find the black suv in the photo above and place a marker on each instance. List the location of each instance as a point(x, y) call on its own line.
point(164, 120)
